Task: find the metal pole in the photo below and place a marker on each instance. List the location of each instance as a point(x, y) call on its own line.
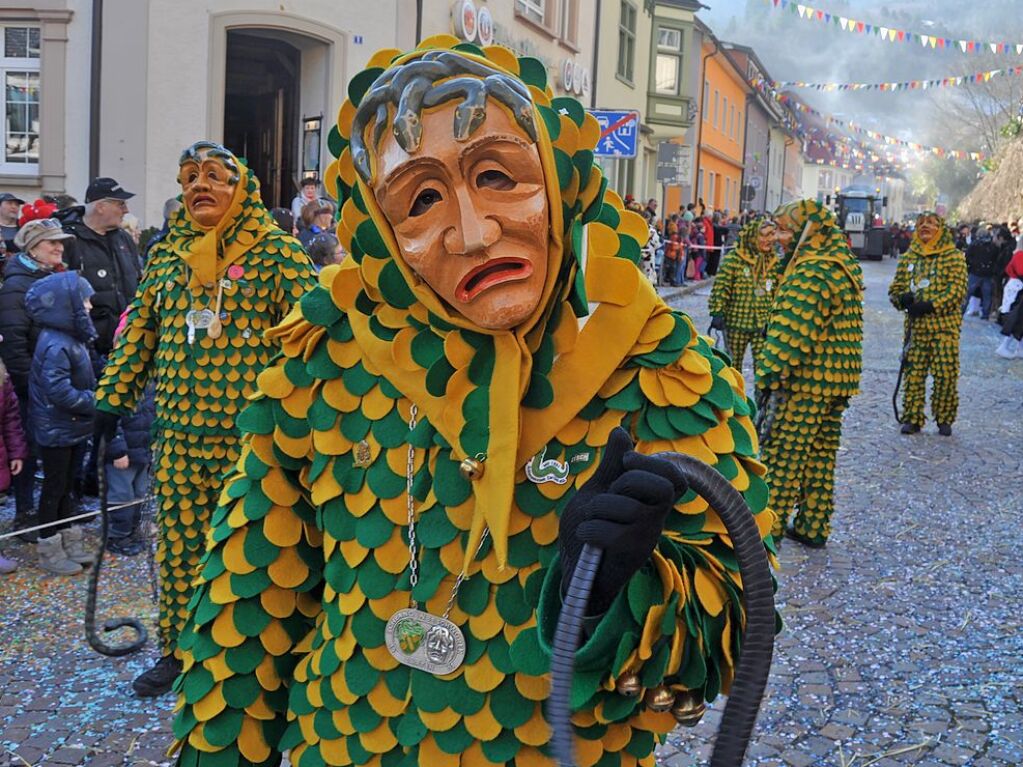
point(95, 87)
point(596, 47)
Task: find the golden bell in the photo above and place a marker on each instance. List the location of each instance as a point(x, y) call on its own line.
point(659, 699)
point(629, 686)
point(689, 708)
point(471, 469)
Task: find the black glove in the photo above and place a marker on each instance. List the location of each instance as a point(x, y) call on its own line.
point(105, 425)
point(620, 509)
point(906, 300)
point(717, 322)
point(920, 308)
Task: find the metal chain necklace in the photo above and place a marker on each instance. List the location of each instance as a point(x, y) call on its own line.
point(415, 637)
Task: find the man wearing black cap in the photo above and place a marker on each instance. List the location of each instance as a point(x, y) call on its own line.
point(104, 254)
point(9, 208)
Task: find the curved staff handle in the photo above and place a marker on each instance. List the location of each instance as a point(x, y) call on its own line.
point(112, 624)
point(750, 681)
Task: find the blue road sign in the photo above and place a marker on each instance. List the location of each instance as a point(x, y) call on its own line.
point(619, 133)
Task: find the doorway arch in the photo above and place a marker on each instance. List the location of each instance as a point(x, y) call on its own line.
point(268, 73)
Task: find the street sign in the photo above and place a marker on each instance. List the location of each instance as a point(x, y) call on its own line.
point(756, 182)
point(619, 133)
point(674, 163)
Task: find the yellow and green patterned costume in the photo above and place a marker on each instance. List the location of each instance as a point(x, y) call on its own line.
point(285, 648)
point(812, 362)
point(742, 294)
point(201, 386)
point(934, 272)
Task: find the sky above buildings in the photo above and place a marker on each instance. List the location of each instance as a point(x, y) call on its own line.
point(796, 49)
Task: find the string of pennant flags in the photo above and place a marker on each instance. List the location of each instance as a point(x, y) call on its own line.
point(909, 85)
point(893, 35)
point(957, 154)
point(769, 90)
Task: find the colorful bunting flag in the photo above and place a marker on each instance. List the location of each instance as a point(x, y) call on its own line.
point(947, 82)
point(932, 42)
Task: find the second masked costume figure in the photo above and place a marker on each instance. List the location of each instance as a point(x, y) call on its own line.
point(452, 416)
point(930, 287)
point(222, 277)
point(740, 301)
point(811, 366)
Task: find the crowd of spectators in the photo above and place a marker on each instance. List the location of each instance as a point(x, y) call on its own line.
point(69, 272)
point(686, 245)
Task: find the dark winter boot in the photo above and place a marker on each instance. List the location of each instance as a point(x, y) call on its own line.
point(22, 521)
point(910, 428)
point(945, 429)
point(159, 679)
point(790, 532)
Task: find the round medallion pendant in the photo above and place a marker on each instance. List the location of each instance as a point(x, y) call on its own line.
point(424, 641)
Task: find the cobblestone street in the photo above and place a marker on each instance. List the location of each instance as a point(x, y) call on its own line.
point(902, 638)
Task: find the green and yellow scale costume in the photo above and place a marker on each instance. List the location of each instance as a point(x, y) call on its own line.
point(812, 361)
point(201, 385)
point(742, 294)
point(934, 272)
point(309, 553)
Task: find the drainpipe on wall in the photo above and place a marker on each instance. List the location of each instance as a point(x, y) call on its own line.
point(702, 117)
point(596, 47)
point(95, 74)
point(745, 145)
point(789, 141)
point(419, 21)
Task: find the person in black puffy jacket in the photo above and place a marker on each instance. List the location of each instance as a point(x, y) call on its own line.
point(41, 253)
point(62, 405)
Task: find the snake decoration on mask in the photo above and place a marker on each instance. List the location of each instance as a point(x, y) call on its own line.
point(309, 556)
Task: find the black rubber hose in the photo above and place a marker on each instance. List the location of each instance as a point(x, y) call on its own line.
point(903, 364)
point(112, 624)
point(750, 681)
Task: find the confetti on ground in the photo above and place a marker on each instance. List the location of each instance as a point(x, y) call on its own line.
point(902, 638)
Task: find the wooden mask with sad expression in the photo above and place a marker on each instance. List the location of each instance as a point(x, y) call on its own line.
point(460, 181)
point(208, 174)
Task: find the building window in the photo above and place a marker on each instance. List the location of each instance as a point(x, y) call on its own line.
point(534, 10)
point(733, 132)
point(568, 20)
point(668, 63)
point(711, 202)
point(706, 100)
point(717, 99)
point(739, 126)
point(724, 115)
point(19, 73)
point(626, 40)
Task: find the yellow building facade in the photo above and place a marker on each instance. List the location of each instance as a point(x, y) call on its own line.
point(721, 130)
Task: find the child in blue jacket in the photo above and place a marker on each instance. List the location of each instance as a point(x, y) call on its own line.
point(61, 410)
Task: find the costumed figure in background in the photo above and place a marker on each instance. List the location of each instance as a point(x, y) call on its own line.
point(930, 287)
point(441, 435)
point(222, 277)
point(740, 301)
point(810, 366)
